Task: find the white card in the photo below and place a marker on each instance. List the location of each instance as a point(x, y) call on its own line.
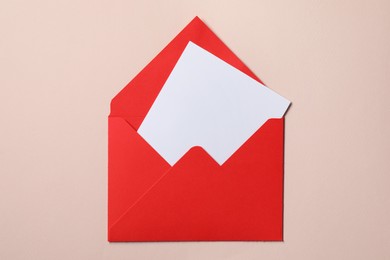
point(207, 102)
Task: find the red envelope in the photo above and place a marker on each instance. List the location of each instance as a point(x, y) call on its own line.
point(196, 199)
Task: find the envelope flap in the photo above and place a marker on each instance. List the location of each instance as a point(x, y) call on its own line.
point(133, 167)
point(134, 101)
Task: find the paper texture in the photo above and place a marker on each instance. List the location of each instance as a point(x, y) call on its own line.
point(207, 102)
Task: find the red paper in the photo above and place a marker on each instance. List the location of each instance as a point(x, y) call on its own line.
point(195, 199)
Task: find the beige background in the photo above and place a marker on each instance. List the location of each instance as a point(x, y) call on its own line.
point(62, 61)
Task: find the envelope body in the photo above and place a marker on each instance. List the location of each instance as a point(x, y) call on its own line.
point(196, 199)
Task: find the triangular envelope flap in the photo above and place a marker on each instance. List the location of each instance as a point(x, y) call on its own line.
point(133, 167)
point(199, 200)
point(134, 101)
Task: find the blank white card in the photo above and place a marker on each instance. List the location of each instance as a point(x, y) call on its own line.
point(207, 102)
